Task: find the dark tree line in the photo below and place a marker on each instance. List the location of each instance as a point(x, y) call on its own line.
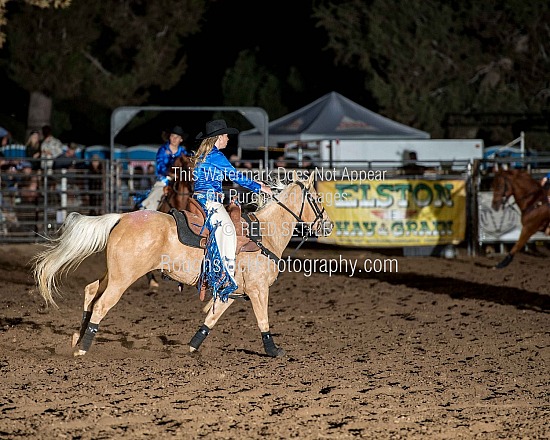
point(107, 53)
point(419, 60)
point(425, 59)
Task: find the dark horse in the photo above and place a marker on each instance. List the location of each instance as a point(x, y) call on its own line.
point(176, 195)
point(531, 199)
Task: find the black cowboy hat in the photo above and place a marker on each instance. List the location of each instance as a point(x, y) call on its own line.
point(179, 131)
point(215, 128)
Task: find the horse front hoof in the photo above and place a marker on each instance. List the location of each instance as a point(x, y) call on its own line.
point(153, 285)
point(276, 352)
point(79, 353)
point(74, 339)
point(507, 260)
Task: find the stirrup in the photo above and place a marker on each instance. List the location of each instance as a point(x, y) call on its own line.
point(242, 296)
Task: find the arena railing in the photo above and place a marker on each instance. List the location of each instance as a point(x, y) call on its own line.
point(34, 204)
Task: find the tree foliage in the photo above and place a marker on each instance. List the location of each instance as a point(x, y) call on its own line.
point(109, 52)
point(37, 3)
point(248, 84)
point(424, 59)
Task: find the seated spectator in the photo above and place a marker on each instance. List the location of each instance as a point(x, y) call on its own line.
point(141, 181)
point(280, 162)
point(4, 137)
point(307, 163)
point(150, 175)
point(67, 159)
point(50, 148)
point(32, 149)
point(28, 183)
point(238, 163)
point(10, 182)
point(27, 211)
point(95, 185)
point(410, 166)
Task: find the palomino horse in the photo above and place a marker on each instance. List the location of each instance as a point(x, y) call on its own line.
point(530, 198)
point(176, 195)
point(141, 241)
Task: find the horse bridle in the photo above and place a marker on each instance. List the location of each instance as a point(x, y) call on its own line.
point(505, 198)
point(306, 195)
point(166, 197)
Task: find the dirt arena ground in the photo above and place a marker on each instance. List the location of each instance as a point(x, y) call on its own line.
point(438, 349)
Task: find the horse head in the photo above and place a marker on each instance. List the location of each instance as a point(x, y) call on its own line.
point(180, 189)
point(312, 213)
point(502, 189)
point(518, 183)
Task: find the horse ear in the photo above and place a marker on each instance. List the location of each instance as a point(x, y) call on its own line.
point(295, 176)
point(505, 167)
point(310, 180)
point(496, 167)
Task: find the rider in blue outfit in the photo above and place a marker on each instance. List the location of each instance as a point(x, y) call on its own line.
point(211, 168)
point(166, 156)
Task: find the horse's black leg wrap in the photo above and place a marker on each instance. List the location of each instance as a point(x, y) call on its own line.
point(199, 337)
point(507, 260)
point(86, 315)
point(269, 345)
point(88, 337)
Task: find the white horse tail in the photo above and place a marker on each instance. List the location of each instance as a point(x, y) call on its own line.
point(81, 236)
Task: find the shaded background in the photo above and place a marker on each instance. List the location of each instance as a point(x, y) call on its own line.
point(460, 71)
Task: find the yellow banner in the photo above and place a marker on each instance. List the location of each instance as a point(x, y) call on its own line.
point(398, 212)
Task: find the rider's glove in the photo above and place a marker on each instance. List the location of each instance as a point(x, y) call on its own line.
point(166, 180)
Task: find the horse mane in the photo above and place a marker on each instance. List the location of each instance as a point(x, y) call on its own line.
point(262, 199)
point(184, 162)
point(525, 175)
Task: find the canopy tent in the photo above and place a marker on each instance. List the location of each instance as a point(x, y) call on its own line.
point(330, 117)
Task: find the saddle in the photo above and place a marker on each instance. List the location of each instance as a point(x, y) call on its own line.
point(191, 230)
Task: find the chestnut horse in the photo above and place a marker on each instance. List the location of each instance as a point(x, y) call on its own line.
point(530, 198)
point(176, 195)
point(141, 241)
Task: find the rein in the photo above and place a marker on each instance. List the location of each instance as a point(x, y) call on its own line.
point(167, 197)
point(528, 208)
point(306, 195)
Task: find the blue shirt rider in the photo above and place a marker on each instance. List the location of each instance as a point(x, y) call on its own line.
point(210, 174)
point(211, 168)
point(166, 156)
